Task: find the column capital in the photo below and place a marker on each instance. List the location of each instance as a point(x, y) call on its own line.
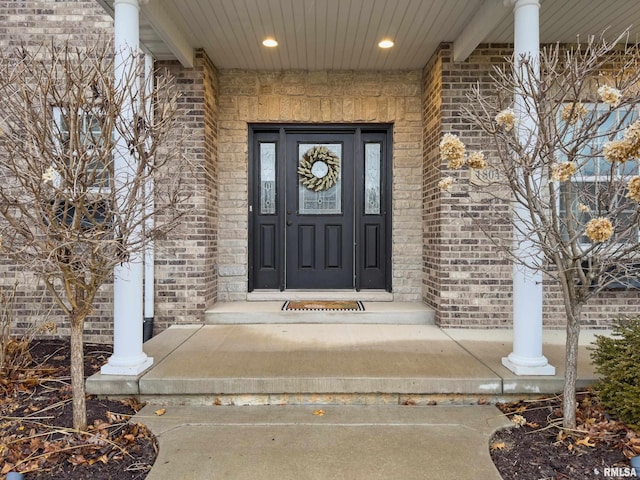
point(521, 3)
point(132, 3)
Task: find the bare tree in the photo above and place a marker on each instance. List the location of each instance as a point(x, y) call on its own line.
point(63, 212)
point(570, 172)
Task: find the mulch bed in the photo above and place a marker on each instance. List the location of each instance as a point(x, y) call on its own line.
point(36, 437)
point(537, 448)
point(36, 434)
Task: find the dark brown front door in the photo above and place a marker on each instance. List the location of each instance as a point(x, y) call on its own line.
point(319, 238)
point(319, 207)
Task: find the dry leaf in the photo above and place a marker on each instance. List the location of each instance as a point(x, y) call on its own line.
point(532, 425)
point(586, 442)
point(498, 446)
point(77, 460)
point(161, 412)
point(100, 425)
point(133, 403)
point(518, 420)
point(102, 458)
point(318, 412)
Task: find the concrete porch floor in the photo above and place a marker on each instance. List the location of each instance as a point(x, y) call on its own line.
point(336, 364)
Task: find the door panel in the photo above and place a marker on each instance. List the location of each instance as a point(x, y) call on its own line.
point(268, 247)
point(333, 246)
point(319, 236)
point(306, 247)
point(372, 255)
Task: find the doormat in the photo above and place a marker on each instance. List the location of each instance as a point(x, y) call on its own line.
point(321, 305)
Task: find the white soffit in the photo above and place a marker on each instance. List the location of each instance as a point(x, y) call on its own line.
point(343, 34)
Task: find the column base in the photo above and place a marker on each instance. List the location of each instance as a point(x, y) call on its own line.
point(528, 366)
point(127, 366)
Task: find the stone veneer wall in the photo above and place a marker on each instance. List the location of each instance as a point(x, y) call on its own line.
point(465, 277)
point(315, 98)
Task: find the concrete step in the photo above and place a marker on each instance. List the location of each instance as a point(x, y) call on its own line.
point(284, 364)
point(270, 312)
point(281, 296)
point(316, 364)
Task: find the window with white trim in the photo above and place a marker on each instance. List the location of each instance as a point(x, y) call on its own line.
point(589, 193)
point(87, 135)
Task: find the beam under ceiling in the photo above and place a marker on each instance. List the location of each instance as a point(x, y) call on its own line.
point(488, 16)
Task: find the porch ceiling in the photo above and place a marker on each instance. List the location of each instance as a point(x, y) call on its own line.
point(343, 34)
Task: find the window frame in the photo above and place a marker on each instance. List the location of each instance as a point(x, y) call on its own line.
point(60, 126)
point(596, 178)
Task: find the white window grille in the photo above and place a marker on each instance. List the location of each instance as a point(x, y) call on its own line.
point(594, 190)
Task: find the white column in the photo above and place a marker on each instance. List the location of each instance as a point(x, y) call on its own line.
point(526, 358)
point(128, 357)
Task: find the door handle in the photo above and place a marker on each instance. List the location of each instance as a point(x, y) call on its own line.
point(289, 222)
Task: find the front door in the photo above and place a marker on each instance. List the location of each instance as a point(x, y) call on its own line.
point(319, 238)
point(319, 207)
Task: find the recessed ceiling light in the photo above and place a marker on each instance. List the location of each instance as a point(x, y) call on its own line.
point(270, 42)
point(386, 44)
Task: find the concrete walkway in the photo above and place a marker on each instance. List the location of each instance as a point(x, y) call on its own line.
point(373, 382)
point(345, 442)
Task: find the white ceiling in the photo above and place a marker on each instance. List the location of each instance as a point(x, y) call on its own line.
point(343, 34)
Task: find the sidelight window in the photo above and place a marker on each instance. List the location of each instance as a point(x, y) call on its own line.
point(267, 178)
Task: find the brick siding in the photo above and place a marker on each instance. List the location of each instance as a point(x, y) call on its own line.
point(185, 277)
point(465, 278)
point(31, 23)
point(185, 273)
point(439, 256)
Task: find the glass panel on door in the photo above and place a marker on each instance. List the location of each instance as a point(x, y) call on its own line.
point(320, 174)
point(372, 157)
